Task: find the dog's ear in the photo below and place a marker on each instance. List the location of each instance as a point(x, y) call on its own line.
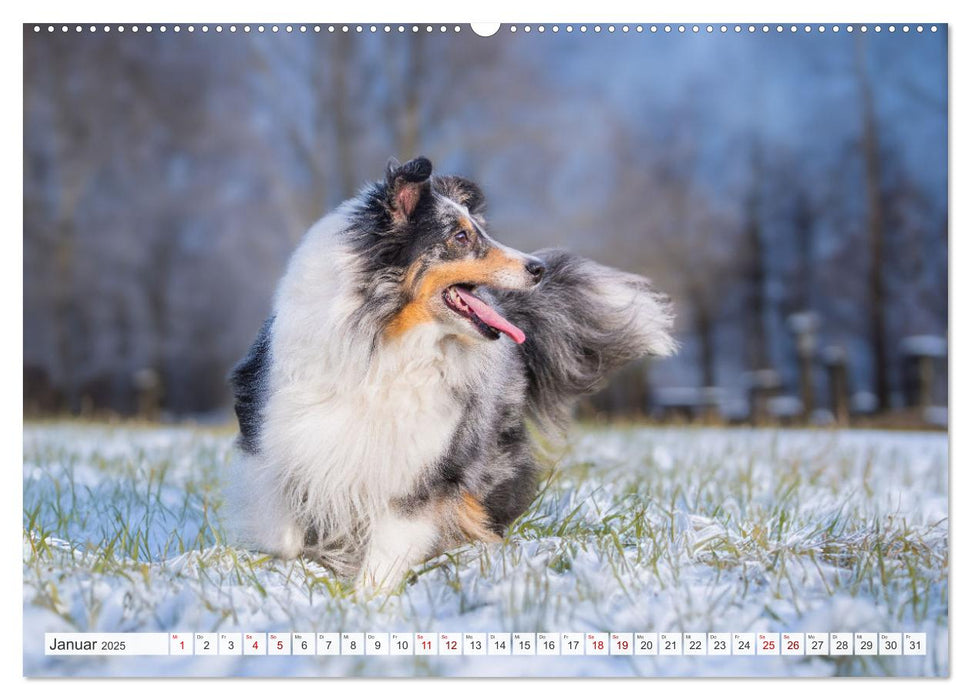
point(463, 191)
point(407, 184)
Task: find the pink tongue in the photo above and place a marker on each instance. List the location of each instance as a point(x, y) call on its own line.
point(488, 316)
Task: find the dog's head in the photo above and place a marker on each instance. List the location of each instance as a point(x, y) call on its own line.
point(430, 233)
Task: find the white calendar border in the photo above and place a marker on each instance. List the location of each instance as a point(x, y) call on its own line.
point(11, 646)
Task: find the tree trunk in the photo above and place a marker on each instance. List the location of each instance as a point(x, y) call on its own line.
point(803, 225)
point(410, 139)
point(876, 290)
point(156, 285)
point(342, 120)
point(758, 352)
point(704, 327)
point(65, 313)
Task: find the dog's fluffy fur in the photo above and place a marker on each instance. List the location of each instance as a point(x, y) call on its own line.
point(382, 417)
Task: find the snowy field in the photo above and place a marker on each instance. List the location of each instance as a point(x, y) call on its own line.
point(646, 529)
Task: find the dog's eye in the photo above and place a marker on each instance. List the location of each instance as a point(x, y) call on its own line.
point(461, 237)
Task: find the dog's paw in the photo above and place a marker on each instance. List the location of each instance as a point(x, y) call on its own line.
point(371, 583)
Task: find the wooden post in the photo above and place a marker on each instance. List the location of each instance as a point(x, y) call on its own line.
point(763, 385)
point(925, 380)
point(834, 358)
point(710, 405)
point(148, 387)
point(920, 355)
point(804, 325)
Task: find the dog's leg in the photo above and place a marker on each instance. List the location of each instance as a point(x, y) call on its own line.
point(276, 530)
point(259, 515)
point(472, 520)
point(398, 542)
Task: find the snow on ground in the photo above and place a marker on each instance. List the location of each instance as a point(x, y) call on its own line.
point(638, 529)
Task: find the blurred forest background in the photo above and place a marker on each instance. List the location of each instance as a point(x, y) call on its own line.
point(788, 190)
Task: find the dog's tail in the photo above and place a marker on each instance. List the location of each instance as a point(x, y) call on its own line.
point(583, 321)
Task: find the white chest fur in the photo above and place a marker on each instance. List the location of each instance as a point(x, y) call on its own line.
point(347, 448)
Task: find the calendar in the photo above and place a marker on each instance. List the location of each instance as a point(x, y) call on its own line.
point(487, 644)
point(434, 348)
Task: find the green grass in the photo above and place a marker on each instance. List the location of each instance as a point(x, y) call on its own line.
point(635, 530)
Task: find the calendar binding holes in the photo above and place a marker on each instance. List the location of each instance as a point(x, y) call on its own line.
point(489, 29)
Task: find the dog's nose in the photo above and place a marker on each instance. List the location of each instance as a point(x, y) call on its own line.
point(536, 268)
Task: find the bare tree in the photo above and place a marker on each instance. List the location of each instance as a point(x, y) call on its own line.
point(754, 272)
point(876, 286)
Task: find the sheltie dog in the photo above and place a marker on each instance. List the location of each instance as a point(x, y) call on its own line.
point(383, 408)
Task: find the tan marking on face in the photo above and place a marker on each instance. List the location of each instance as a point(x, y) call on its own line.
point(465, 271)
point(414, 314)
point(466, 225)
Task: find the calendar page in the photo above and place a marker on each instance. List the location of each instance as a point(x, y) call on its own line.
point(516, 350)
